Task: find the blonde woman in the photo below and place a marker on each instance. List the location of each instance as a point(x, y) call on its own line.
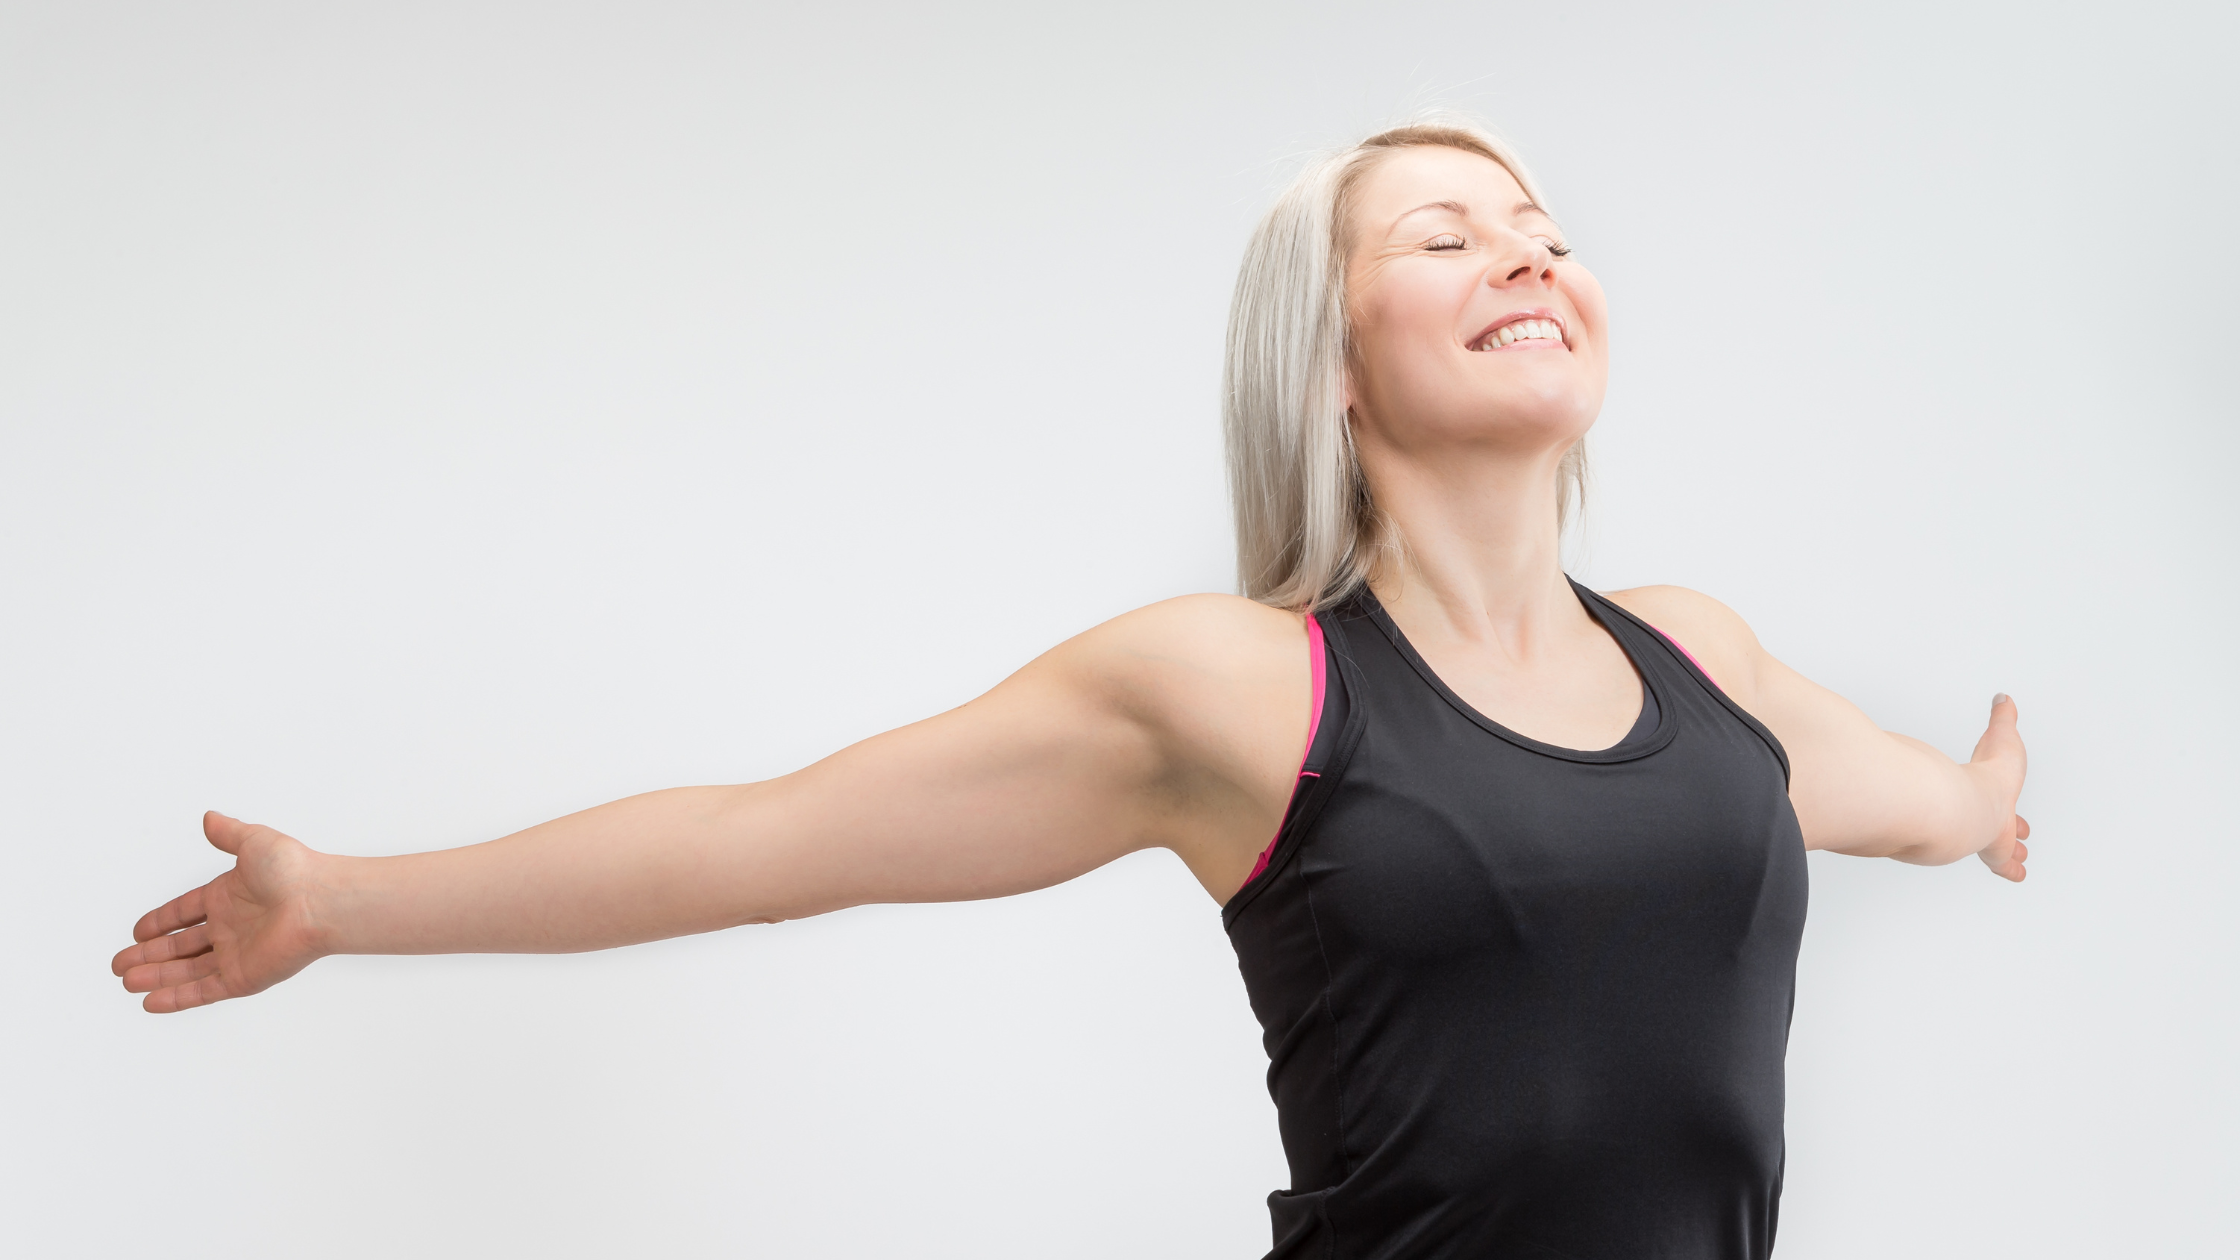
point(1514, 870)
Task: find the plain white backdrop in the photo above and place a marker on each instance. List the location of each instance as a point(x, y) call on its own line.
point(419, 421)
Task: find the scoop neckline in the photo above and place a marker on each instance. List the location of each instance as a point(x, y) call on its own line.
point(1623, 750)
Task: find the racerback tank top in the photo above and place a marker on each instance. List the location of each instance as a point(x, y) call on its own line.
point(1520, 1000)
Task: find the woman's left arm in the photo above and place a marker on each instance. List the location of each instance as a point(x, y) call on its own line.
point(1858, 789)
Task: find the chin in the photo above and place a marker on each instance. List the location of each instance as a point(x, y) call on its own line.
point(1554, 416)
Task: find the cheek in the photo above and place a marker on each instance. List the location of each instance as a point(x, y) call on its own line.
point(1413, 302)
point(1586, 296)
point(1395, 331)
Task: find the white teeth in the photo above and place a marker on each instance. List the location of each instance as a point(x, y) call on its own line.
point(1523, 330)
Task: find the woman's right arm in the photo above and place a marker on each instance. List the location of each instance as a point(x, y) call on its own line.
point(1178, 725)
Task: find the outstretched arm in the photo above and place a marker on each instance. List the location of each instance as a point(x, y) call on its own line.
point(1874, 793)
point(1858, 789)
point(1171, 726)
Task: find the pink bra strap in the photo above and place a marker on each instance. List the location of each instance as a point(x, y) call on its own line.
point(1314, 724)
point(1685, 652)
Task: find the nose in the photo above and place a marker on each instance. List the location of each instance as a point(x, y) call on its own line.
point(1521, 260)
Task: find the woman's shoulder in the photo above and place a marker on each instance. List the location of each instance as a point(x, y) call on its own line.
point(1222, 682)
point(1196, 637)
point(1715, 635)
point(1211, 613)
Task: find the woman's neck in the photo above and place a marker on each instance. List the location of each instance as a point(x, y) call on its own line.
point(1478, 550)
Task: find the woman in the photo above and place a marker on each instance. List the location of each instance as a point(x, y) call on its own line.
point(1524, 941)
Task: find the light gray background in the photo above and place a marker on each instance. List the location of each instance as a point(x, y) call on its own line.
point(424, 420)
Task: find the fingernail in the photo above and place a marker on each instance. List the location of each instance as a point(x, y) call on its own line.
point(1999, 699)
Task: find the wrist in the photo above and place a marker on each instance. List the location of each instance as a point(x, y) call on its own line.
point(334, 903)
point(1988, 808)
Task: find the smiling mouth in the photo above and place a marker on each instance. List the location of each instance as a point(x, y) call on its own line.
point(1531, 333)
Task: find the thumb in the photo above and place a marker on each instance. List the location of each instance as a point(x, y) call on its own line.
point(2000, 737)
point(224, 833)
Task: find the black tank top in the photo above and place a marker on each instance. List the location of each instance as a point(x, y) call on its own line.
point(1521, 1000)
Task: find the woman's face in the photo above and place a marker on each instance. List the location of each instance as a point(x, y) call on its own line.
point(1469, 324)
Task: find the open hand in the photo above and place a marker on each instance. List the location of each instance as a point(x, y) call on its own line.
point(1999, 764)
point(241, 933)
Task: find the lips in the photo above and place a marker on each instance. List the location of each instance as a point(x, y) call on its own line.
point(1541, 326)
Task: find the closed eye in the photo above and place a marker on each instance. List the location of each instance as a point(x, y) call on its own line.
point(1449, 241)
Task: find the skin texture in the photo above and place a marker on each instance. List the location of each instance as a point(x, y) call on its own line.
point(1179, 725)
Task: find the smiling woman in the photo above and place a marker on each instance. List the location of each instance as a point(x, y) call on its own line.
point(1306, 530)
point(1523, 943)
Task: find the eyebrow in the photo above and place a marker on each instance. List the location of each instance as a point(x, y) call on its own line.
point(1456, 207)
point(1452, 207)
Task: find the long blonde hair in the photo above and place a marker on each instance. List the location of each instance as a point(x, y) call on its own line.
point(1308, 533)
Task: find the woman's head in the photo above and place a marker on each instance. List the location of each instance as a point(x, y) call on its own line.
point(1378, 314)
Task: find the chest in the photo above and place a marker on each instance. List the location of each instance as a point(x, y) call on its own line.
point(1445, 844)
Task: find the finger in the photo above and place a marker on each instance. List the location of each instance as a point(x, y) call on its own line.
point(149, 977)
point(2021, 827)
point(184, 944)
point(223, 832)
point(179, 912)
point(183, 997)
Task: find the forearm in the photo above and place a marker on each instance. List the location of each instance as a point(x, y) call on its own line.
point(1946, 810)
point(643, 868)
point(1868, 792)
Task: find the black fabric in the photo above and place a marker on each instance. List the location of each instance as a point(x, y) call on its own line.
point(1520, 1000)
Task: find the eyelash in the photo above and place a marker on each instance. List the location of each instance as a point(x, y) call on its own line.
point(1439, 243)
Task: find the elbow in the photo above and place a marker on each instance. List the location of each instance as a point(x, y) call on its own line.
point(1963, 828)
point(1945, 841)
point(1930, 837)
point(1931, 853)
point(1911, 852)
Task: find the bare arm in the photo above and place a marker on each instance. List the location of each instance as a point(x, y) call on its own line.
point(1858, 789)
point(1174, 726)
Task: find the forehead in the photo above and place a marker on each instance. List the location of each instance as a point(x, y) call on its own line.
point(1421, 174)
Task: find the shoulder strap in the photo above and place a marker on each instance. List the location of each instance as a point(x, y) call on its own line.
point(1660, 648)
